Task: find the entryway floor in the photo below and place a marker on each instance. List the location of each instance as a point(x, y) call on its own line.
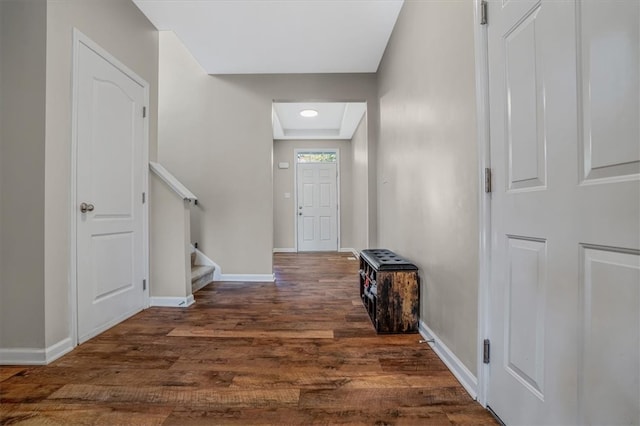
point(298, 351)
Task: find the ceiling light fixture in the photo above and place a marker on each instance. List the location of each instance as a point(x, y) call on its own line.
point(308, 113)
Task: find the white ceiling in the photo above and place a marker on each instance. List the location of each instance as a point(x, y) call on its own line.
point(335, 120)
point(279, 36)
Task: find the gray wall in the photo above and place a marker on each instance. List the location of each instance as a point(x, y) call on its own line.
point(215, 135)
point(284, 218)
point(359, 184)
point(22, 135)
point(36, 150)
point(1, 156)
point(1, 97)
point(427, 163)
point(170, 272)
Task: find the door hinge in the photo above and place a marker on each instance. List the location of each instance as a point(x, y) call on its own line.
point(483, 12)
point(144, 112)
point(486, 355)
point(144, 197)
point(487, 180)
point(144, 285)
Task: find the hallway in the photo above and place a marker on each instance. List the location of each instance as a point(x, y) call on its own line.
point(298, 351)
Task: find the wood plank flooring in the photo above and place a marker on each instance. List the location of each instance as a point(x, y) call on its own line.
point(298, 351)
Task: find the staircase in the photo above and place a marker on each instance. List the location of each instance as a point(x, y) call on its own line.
point(201, 275)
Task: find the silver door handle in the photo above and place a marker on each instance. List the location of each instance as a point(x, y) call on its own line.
point(84, 207)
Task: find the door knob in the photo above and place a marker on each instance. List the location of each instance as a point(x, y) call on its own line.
point(300, 214)
point(84, 207)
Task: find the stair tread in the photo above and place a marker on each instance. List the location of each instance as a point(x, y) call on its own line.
point(199, 271)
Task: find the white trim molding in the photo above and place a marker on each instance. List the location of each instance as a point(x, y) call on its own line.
point(35, 356)
point(484, 199)
point(172, 302)
point(350, 250)
point(254, 278)
point(285, 250)
point(459, 370)
point(59, 349)
point(23, 356)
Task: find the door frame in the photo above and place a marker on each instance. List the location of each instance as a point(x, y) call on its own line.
point(481, 48)
point(297, 151)
point(78, 39)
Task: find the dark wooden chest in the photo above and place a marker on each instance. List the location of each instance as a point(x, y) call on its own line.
point(390, 291)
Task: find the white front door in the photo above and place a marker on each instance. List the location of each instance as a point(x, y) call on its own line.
point(110, 139)
point(317, 207)
point(565, 153)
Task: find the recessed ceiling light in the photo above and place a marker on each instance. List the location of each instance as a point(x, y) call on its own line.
point(309, 113)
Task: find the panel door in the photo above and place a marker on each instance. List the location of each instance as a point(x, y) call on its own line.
point(109, 233)
point(317, 207)
point(565, 153)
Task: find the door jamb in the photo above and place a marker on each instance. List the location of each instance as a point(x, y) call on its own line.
point(80, 38)
point(484, 199)
point(296, 151)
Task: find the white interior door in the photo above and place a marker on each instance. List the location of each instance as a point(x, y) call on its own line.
point(110, 139)
point(565, 152)
point(317, 207)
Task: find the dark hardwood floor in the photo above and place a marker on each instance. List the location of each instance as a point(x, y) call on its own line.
point(298, 351)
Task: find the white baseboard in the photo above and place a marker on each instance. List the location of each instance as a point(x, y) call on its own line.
point(59, 349)
point(23, 356)
point(350, 250)
point(342, 250)
point(262, 278)
point(35, 356)
point(217, 272)
point(459, 370)
point(172, 302)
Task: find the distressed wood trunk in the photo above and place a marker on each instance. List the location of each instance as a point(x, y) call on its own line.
point(390, 291)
